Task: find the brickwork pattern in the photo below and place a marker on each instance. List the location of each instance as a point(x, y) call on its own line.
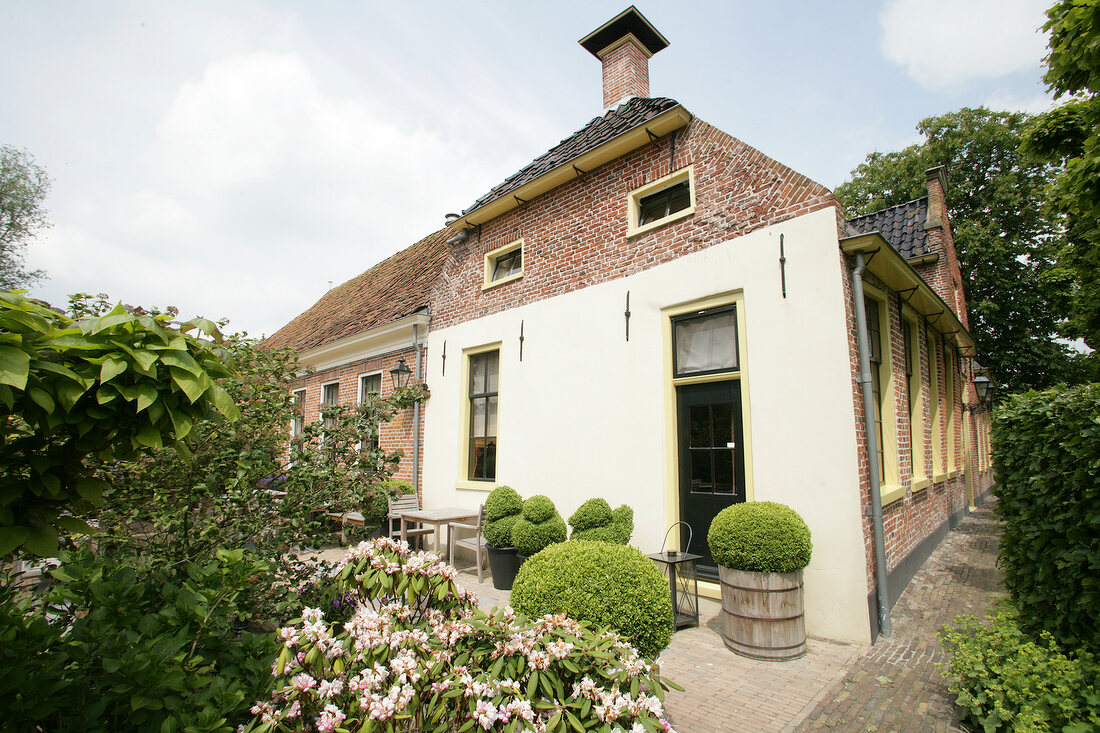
point(625, 73)
point(575, 236)
point(895, 686)
point(396, 435)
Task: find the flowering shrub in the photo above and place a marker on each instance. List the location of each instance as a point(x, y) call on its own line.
point(418, 655)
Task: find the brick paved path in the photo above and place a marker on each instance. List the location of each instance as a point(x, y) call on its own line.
point(894, 685)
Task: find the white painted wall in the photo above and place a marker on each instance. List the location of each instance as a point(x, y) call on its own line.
point(583, 414)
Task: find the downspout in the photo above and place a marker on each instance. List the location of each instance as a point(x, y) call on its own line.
point(872, 445)
point(416, 414)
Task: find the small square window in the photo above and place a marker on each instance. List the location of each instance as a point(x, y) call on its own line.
point(503, 264)
point(661, 202)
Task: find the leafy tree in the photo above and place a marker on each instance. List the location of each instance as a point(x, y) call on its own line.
point(1006, 241)
point(23, 189)
point(1070, 135)
point(77, 393)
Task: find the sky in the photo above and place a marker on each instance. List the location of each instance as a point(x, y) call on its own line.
point(236, 159)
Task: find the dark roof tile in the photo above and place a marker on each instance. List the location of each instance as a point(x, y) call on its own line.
point(902, 226)
point(628, 115)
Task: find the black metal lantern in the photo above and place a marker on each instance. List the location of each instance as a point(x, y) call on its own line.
point(400, 374)
point(981, 384)
point(683, 581)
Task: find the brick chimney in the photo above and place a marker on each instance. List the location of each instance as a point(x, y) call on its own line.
point(944, 274)
point(624, 45)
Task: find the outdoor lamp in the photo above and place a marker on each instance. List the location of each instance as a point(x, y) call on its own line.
point(981, 383)
point(400, 374)
point(683, 581)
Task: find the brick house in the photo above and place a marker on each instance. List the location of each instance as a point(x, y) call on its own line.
point(657, 313)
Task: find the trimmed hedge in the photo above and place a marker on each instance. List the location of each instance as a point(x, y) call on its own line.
point(502, 509)
point(539, 526)
point(595, 521)
point(603, 584)
point(1003, 680)
point(760, 536)
point(1046, 452)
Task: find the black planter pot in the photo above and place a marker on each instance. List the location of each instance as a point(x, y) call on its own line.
point(503, 566)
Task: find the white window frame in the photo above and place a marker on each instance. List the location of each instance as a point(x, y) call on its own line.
point(634, 198)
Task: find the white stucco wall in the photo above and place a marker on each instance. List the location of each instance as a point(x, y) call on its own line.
point(584, 413)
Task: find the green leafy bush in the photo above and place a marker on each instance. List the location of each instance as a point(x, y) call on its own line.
point(418, 655)
point(502, 509)
point(111, 648)
point(1002, 680)
point(539, 526)
point(595, 521)
point(601, 583)
point(760, 536)
point(1046, 450)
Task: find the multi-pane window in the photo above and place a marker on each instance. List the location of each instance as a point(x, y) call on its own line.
point(934, 402)
point(330, 395)
point(298, 407)
point(370, 384)
point(949, 362)
point(664, 203)
point(874, 336)
point(484, 373)
point(508, 264)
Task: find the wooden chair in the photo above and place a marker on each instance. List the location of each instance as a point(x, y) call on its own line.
point(406, 503)
point(476, 543)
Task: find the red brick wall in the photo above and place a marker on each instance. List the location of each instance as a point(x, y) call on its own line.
point(575, 235)
point(625, 73)
point(394, 435)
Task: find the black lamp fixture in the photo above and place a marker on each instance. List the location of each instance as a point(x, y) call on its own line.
point(400, 374)
point(982, 385)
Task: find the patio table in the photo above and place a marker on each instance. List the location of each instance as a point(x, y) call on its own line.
point(437, 518)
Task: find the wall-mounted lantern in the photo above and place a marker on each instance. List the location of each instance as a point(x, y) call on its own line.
point(400, 374)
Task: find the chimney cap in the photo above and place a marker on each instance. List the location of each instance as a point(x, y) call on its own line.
point(630, 21)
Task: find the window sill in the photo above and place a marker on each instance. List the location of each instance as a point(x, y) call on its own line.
point(940, 478)
point(891, 493)
point(468, 485)
point(502, 281)
point(635, 231)
point(920, 484)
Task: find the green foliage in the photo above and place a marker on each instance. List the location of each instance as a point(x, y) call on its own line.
point(1003, 680)
point(538, 526)
point(1007, 242)
point(1070, 137)
point(760, 536)
point(606, 585)
point(77, 393)
point(1046, 453)
point(419, 655)
point(23, 189)
point(502, 510)
point(109, 648)
point(595, 521)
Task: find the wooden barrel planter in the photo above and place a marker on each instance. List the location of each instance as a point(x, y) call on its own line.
point(762, 614)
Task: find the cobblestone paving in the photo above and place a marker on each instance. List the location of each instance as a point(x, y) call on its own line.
point(894, 685)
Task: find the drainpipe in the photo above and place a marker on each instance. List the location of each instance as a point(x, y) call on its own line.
point(872, 445)
point(416, 414)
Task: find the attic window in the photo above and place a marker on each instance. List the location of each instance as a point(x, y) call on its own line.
point(661, 202)
point(503, 265)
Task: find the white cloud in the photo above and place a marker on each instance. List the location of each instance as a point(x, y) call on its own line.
point(943, 44)
point(1002, 99)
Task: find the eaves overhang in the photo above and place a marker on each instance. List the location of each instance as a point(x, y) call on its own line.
point(887, 264)
point(661, 125)
point(385, 339)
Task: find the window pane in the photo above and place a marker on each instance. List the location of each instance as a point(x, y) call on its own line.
point(491, 363)
point(507, 264)
point(331, 394)
point(706, 343)
point(477, 374)
point(680, 198)
point(723, 472)
point(702, 479)
point(371, 383)
point(874, 335)
point(477, 417)
point(664, 203)
point(699, 427)
point(491, 416)
point(723, 425)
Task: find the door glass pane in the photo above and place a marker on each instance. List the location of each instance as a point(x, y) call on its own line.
point(699, 426)
point(706, 343)
point(723, 425)
point(723, 471)
point(702, 478)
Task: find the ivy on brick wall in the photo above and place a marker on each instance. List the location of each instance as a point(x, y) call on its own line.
point(1046, 451)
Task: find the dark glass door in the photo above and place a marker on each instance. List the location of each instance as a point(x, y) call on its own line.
point(711, 458)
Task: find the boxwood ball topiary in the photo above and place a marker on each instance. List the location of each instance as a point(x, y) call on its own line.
point(760, 536)
point(601, 583)
point(538, 508)
point(503, 501)
point(530, 538)
point(498, 533)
